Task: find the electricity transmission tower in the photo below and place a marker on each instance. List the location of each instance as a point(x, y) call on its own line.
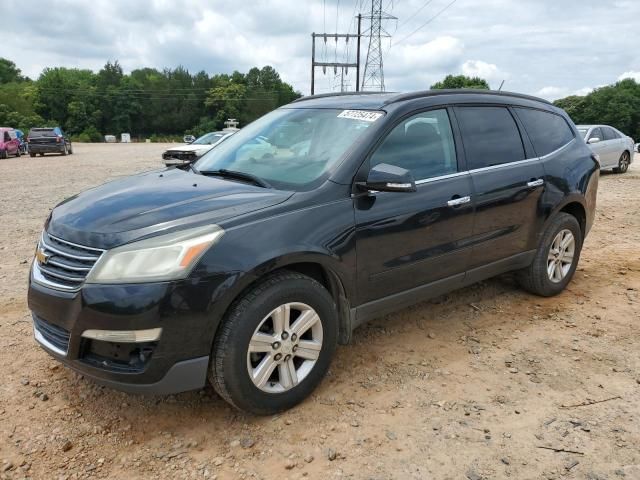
point(373, 78)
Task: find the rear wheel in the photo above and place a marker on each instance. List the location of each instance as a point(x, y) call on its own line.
point(3, 154)
point(70, 149)
point(556, 259)
point(64, 150)
point(275, 344)
point(623, 163)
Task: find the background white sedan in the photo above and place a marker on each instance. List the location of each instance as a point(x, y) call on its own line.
point(614, 147)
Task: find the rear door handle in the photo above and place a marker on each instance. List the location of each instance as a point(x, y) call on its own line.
point(535, 183)
point(454, 202)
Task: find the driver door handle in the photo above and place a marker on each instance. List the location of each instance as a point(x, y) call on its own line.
point(454, 202)
point(535, 183)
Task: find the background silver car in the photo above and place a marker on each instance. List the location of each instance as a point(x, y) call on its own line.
point(614, 147)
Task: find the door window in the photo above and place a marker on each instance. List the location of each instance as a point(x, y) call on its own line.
point(609, 133)
point(490, 136)
point(422, 144)
point(596, 133)
point(7, 138)
point(548, 132)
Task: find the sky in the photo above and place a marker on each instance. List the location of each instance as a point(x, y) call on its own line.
point(549, 48)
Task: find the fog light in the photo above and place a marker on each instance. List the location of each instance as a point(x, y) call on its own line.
point(124, 336)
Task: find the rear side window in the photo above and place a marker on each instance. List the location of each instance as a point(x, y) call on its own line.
point(490, 136)
point(547, 131)
point(609, 133)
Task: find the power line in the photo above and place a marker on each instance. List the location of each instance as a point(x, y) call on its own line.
point(424, 24)
point(410, 17)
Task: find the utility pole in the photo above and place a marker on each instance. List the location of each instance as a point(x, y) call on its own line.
point(373, 78)
point(342, 65)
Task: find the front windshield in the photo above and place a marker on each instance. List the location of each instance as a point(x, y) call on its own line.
point(208, 139)
point(290, 148)
point(583, 132)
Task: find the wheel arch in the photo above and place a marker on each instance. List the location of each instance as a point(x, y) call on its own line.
point(321, 267)
point(579, 212)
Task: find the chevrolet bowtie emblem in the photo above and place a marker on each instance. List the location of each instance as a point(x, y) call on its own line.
point(41, 256)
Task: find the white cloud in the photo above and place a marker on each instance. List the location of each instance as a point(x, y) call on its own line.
point(478, 68)
point(545, 46)
point(630, 74)
point(441, 52)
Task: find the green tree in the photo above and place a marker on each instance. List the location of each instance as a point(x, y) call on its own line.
point(9, 72)
point(617, 105)
point(461, 81)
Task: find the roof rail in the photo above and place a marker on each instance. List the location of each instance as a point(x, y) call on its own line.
point(335, 94)
point(428, 93)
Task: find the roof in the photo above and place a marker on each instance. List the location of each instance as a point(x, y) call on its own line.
point(377, 100)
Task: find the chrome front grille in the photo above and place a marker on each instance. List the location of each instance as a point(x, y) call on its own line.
point(63, 265)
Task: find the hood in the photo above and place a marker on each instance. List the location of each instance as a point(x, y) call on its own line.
point(151, 203)
point(200, 149)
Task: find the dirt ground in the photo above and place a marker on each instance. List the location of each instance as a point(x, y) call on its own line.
point(482, 383)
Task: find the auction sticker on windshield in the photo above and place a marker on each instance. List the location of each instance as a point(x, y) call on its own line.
point(365, 115)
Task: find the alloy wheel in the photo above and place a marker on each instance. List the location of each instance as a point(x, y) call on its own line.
point(285, 347)
point(560, 257)
point(624, 163)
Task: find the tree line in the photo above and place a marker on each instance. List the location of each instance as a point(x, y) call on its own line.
point(146, 102)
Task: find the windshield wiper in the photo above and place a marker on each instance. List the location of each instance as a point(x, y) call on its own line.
point(223, 172)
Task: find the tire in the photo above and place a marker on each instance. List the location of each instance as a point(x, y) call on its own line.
point(258, 309)
point(536, 278)
point(70, 149)
point(32, 155)
point(64, 150)
point(18, 153)
point(623, 163)
point(3, 154)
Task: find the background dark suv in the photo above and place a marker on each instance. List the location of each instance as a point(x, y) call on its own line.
point(48, 140)
point(249, 267)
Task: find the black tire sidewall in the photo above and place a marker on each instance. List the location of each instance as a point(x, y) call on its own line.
point(246, 318)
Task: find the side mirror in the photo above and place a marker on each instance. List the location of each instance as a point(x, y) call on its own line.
point(593, 140)
point(388, 178)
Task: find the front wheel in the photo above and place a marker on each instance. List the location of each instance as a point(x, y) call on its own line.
point(275, 344)
point(623, 163)
point(556, 259)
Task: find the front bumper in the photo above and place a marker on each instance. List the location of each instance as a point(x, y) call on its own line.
point(176, 362)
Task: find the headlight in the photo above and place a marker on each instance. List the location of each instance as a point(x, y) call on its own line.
point(161, 258)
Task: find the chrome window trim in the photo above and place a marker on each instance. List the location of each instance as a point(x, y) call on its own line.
point(557, 150)
point(440, 177)
point(502, 165)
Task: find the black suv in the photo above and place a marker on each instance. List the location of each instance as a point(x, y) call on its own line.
point(48, 140)
point(248, 267)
